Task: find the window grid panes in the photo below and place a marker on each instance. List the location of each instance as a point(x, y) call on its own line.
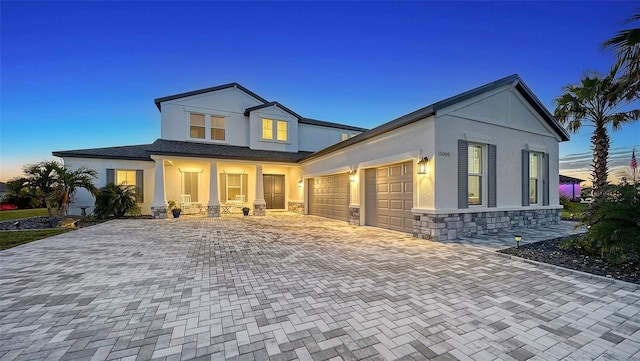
point(217, 128)
point(126, 177)
point(534, 175)
point(282, 130)
point(197, 126)
point(267, 129)
point(475, 174)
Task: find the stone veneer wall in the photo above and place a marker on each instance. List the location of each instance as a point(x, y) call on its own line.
point(440, 227)
point(213, 211)
point(354, 216)
point(159, 212)
point(259, 209)
point(295, 207)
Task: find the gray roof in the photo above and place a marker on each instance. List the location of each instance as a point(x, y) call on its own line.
point(322, 123)
point(129, 152)
point(433, 108)
point(567, 179)
point(184, 149)
point(207, 90)
point(221, 151)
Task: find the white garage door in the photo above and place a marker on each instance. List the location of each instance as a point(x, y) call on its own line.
point(329, 196)
point(389, 197)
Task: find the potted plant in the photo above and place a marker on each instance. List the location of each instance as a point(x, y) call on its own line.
point(175, 210)
point(245, 211)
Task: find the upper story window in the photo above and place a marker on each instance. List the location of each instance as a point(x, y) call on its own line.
point(200, 123)
point(217, 128)
point(197, 126)
point(475, 169)
point(275, 129)
point(347, 135)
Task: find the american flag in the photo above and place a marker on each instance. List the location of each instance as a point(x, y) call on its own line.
point(634, 164)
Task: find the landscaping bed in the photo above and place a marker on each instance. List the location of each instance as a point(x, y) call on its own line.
point(551, 252)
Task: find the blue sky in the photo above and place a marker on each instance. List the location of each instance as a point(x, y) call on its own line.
point(84, 74)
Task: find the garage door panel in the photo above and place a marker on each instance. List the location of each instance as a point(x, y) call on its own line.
point(329, 197)
point(389, 197)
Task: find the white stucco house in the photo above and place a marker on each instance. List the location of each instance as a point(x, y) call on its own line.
point(474, 163)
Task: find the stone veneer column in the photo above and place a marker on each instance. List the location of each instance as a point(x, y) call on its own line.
point(159, 204)
point(259, 204)
point(213, 207)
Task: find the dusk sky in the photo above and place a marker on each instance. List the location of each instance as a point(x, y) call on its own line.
point(80, 75)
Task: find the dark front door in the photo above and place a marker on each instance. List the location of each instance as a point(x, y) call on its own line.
point(274, 191)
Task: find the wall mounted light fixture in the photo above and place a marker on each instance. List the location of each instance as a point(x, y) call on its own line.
point(352, 175)
point(422, 165)
point(300, 183)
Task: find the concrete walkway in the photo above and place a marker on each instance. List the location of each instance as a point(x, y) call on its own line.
point(286, 287)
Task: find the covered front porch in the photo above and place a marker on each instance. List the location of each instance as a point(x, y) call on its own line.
point(218, 186)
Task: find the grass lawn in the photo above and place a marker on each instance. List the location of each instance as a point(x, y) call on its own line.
point(22, 213)
point(10, 239)
point(576, 208)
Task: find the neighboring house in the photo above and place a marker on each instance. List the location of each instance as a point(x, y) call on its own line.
point(471, 164)
point(570, 187)
point(3, 189)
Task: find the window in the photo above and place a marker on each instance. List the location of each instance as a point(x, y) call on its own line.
point(217, 128)
point(347, 135)
point(475, 174)
point(201, 124)
point(197, 126)
point(125, 177)
point(233, 185)
point(128, 178)
point(280, 132)
point(267, 129)
point(190, 184)
point(534, 177)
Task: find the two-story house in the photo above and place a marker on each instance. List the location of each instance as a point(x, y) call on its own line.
point(474, 163)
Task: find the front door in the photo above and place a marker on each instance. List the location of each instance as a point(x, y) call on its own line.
point(274, 191)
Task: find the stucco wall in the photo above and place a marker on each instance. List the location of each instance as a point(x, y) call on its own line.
point(274, 113)
point(502, 118)
point(84, 198)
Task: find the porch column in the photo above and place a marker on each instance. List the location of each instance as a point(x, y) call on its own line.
point(213, 207)
point(259, 204)
point(159, 204)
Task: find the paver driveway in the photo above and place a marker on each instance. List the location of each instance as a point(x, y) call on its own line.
point(293, 287)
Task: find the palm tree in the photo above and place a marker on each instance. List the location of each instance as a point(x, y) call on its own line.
point(597, 100)
point(71, 180)
point(57, 183)
point(626, 44)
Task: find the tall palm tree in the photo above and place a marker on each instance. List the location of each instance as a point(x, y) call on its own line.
point(626, 44)
point(596, 100)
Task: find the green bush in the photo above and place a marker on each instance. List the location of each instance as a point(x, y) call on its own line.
point(613, 225)
point(113, 200)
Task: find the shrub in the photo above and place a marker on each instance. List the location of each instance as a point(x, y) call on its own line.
point(614, 225)
point(113, 200)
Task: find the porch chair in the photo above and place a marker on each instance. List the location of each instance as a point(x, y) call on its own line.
point(185, 203)
point(238, 203)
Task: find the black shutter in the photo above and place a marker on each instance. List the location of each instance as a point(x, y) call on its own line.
point(545, 179)
point(111, 176)
point(463, 174)
point(525, 178)
point(492, 176)
point(140, 185)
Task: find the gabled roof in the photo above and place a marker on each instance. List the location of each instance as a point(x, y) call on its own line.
point(433, 109)
point(129, 152)
point(207, 90)
point(271, 104)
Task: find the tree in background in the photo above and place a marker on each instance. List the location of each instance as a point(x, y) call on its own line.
point(19, 195)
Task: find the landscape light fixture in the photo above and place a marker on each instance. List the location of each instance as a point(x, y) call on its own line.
point(422, 165)
point(517, 238)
